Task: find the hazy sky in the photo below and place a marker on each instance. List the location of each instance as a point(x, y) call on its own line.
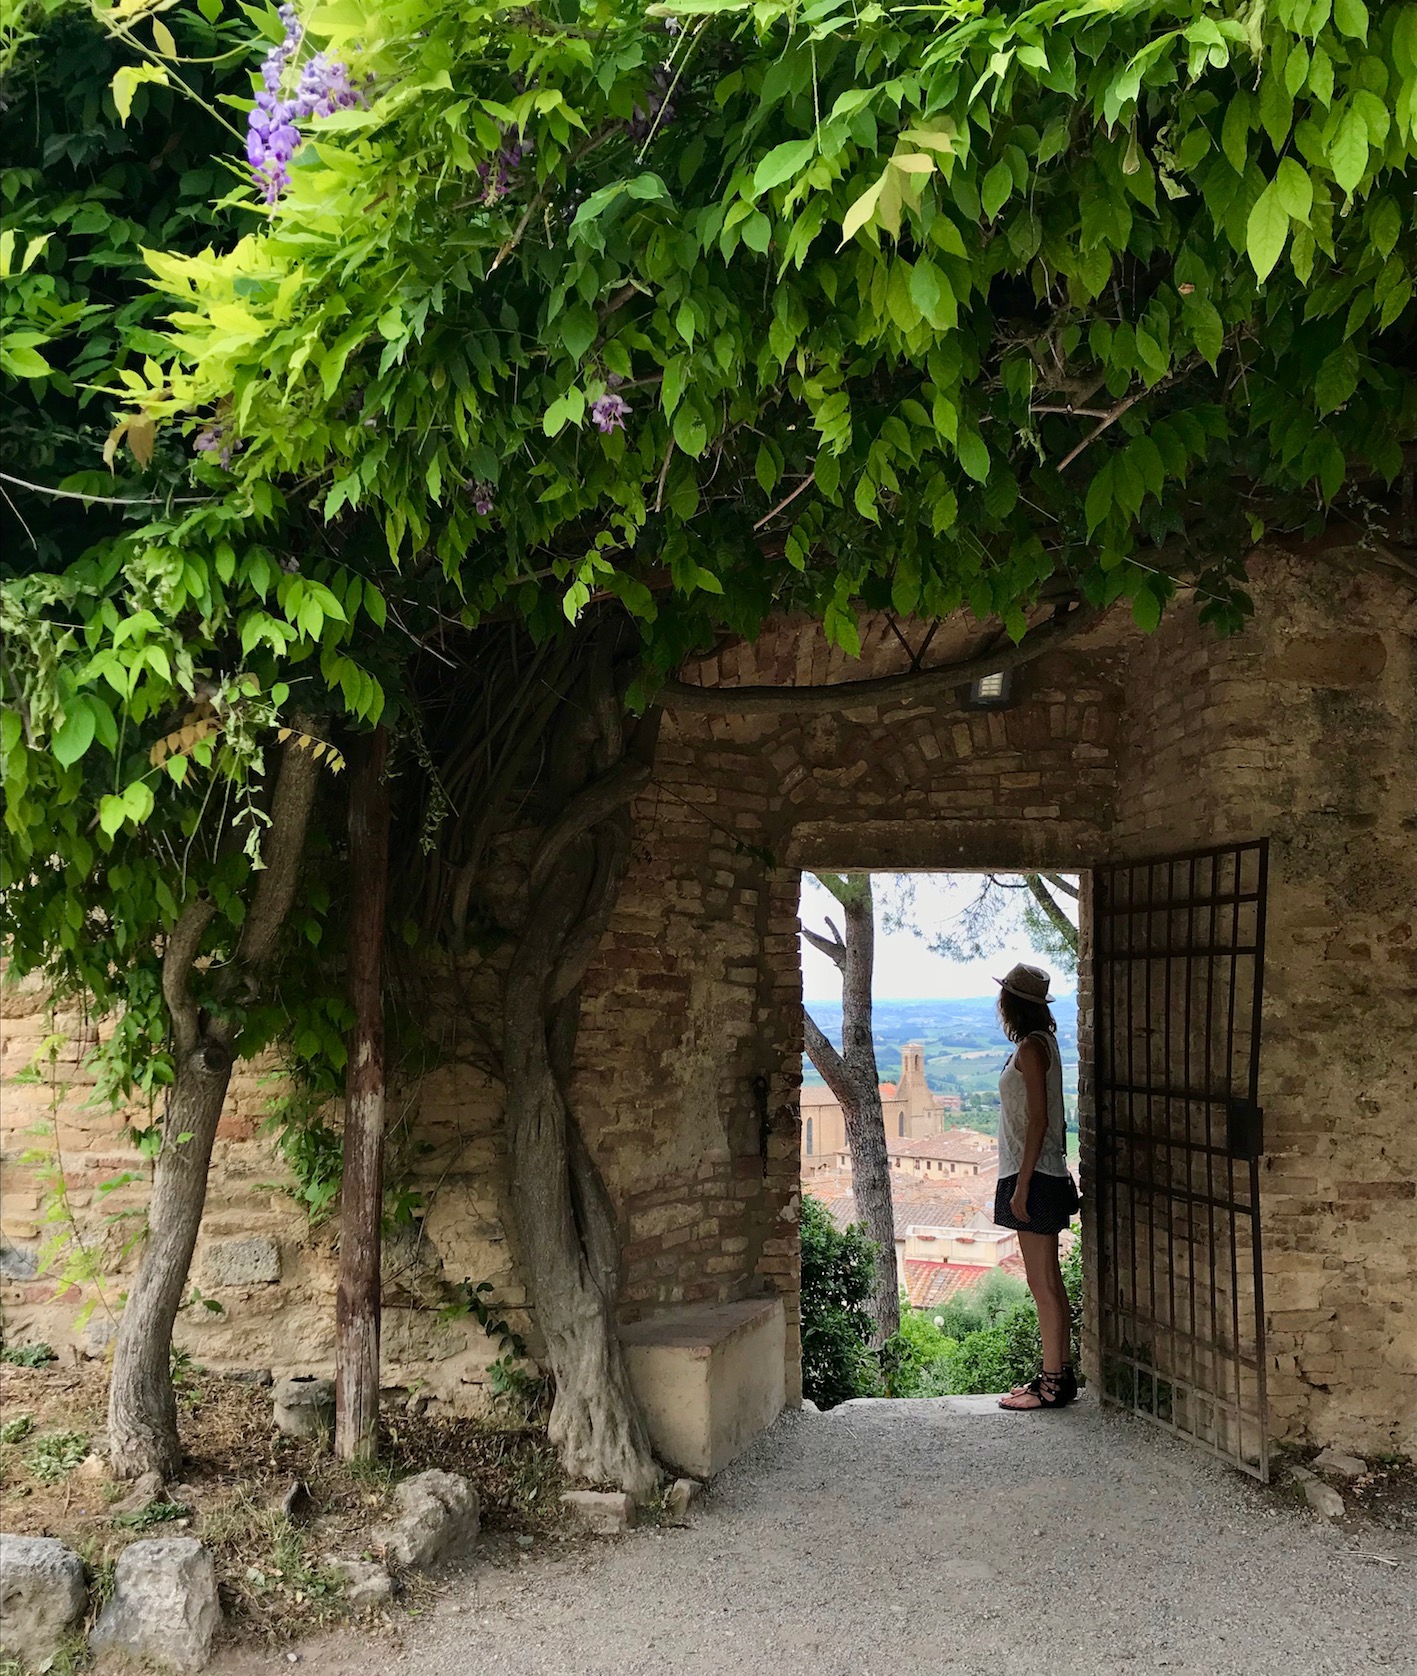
point(905, 967)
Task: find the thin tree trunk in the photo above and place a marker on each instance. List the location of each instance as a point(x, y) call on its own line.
point(854, 1078)
point(142, 1407)
point(565, 1219)
point(362, 1183)
point(1048, 903)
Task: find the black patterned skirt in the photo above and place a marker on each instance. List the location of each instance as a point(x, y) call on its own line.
point(1052, 1203)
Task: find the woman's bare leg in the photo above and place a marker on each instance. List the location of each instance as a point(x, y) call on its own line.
point(1045, 1281)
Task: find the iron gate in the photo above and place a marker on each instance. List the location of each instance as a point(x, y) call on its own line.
point(1179, 964)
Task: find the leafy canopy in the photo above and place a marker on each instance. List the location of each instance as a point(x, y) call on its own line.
point(927, 304)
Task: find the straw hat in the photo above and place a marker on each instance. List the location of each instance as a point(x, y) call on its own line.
point(1029, 983)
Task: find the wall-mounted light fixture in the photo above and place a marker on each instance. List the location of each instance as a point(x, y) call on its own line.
point(991, 692)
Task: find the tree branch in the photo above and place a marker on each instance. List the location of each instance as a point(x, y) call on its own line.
point(842, 695)
point(1057, 918)
point(834, 951)
point(1058, 882)
point(285, 845)
point(177, 961)
point(834, 1070)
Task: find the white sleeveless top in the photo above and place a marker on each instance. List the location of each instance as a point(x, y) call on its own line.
point(1013, 1115)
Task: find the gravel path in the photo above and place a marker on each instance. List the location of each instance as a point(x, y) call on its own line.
point(941, 1538)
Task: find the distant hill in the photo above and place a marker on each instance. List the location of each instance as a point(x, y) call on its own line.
point(964, 1048)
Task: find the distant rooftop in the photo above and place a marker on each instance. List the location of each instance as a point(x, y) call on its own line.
point(959, 1146)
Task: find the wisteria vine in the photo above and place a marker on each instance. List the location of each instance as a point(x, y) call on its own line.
point(324, 87)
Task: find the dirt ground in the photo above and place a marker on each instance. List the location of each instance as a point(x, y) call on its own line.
point(236, 1473)
point(940, 1538)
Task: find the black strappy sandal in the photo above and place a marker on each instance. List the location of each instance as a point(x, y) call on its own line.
point(1053, 1390)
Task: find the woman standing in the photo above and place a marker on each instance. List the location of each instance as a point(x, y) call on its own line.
point(1036, 1196)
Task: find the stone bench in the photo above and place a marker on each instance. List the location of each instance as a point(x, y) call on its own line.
point(709, 1378)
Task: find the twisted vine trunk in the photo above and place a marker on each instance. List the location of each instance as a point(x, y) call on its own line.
point(142, 1407)
point(569, 1237)
point(854, 1078)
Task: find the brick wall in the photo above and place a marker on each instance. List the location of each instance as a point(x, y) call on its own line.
point(689, 1058)
point(1304, 729)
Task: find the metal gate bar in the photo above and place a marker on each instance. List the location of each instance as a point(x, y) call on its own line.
point(1178, 947)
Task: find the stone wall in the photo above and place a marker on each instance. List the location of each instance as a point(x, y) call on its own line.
point(1303, 729)
point(689, 1056)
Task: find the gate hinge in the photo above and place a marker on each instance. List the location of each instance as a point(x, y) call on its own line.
point(1244, 1129)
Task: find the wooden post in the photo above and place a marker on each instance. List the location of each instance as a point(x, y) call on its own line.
point(362, 1190)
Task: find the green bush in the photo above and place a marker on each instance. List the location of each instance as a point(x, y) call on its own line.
point(837, 1273)
point(981, 1341)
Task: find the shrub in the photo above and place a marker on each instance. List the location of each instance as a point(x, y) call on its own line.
point(837, 1274)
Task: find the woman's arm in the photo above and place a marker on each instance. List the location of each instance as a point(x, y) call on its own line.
point(1032, 1060)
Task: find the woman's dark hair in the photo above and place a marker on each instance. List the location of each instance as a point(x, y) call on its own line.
point(1022, 1018)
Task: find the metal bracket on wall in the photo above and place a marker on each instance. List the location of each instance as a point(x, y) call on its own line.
point(1244, 1129)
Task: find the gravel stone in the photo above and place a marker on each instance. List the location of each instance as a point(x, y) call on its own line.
point(897, 1539)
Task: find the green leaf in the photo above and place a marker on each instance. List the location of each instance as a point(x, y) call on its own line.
point(997, 188)
point(1295, 189)
point(1337, 378)
point(76, 734)
point(127, 81)
point(1266, 231)
point(578, 330)
point(781, 163)
point(973, 453)
point(1351, 18)
point(1348, 154)
point(690, 432)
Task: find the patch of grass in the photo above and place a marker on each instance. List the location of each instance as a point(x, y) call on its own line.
point(55, 1455)
point(20, 1427)
point(276, 1582)
point(27, 1355)
point(155, 1513)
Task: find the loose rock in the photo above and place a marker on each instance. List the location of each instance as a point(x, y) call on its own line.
point(164, 1607)
point(304, 1406)
point(606, 1512)
point(365, 1584)
point(42, 1596)
point(438, 1520)
point(676, 1503)
point(1323, 1498)
point(1334, 1460)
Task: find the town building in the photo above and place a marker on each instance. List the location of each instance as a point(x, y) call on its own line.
point(911, 1111)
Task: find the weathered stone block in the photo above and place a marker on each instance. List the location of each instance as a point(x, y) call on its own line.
point(252, 1261)
point(438, 1520)
point(164, 1608)
point(606, 1512)
point(304, 1405)
point(366, 1584)
point(1333, 1460)
point(708, 1379)
point(42, 1597)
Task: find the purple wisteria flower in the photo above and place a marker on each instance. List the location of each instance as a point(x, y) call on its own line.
point(655, 108)
point(481, 496)
point(323, 88)
point(496, 173)
point(215, 439)
point(608, 413)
